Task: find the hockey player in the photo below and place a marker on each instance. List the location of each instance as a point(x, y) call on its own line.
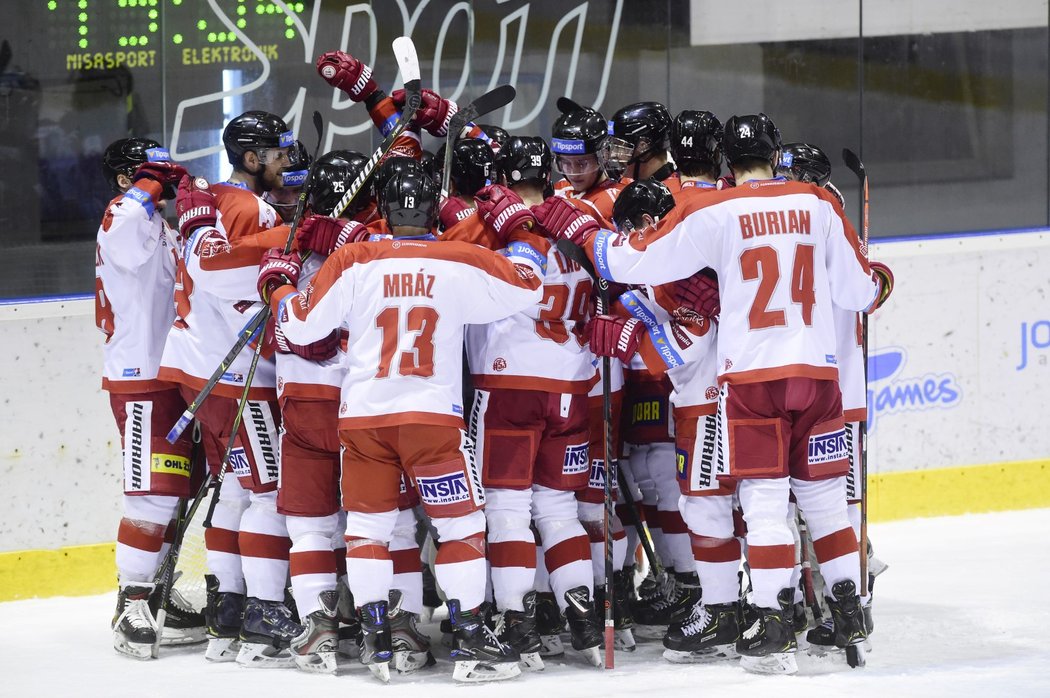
point(637, 144)
point(576, 138)
point(472, 162)
point(776, 348)
point(226, 227)
point(405, 302)
point(532, 372)
point(135, 256)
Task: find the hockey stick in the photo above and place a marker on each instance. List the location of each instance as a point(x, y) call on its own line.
point(492, 100)
point(405, 52)
point(807, 570)
point(854, 654)
point(249, 331)
point(610, 503)
point(576, 254)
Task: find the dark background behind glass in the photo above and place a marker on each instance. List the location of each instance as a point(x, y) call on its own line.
point(952, 126)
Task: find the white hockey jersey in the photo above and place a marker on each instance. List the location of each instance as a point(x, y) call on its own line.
point(783, 252)
point(216, 296)
point(850, 353)
point(136, 252)
point(405, 304)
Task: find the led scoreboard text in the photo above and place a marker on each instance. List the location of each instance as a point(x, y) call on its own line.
point(107, 34)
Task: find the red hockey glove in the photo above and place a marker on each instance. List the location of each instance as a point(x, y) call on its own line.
point(503, 211)
point(885, 277)
point(194, 205)
point(321, 350)
point(325, 235)
point(453, 210)
point(697, 295)
point(615, 337)
point(350, 75)
point(560, 219)
point(277, 269)
point(433, 114)
point(167, 174)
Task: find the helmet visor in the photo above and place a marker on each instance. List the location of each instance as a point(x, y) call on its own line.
point(576, 165)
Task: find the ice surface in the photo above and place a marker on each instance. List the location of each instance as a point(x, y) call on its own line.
point(959, 613)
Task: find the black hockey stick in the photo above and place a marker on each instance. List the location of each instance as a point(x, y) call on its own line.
point(405, 52)
point(492, 100)
point(855, 653)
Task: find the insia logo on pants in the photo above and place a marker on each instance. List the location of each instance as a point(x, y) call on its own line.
point(576, 458)
point(443, 489)
point(597, 476)
point(239, 463)
point(827, 448)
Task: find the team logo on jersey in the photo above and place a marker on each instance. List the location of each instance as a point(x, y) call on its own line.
point(711, 393)
point(443, 489)
point(728, 364)
point(342, 408)
point(131, 373)
point(827, 448)
point(575, 459)
point(499, 364)
point(239, 463)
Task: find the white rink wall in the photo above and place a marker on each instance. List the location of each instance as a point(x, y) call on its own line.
point(959, 371)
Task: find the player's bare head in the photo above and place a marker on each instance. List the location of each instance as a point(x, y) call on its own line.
point(576, 137)
point(122, 157)
point(803, 162)
point(696, 144)
point(750, 142)
point(638, 133)
point(641, 203)
point(259, 144)
point(409, 202)
point(524, 160)
point(334, 175)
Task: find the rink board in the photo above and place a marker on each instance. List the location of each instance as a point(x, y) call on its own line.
point(960, 367)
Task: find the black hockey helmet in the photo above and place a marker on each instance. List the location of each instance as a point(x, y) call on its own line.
point(334, 175)
point(803, 162)
point(430, 164)
point(751, 136)
point(579, 132)
point(496, 133)
point(637, 133)
point(410, 198)
point(255, 130)
point(393, 166)
point(696, 143)
point(472, 162)
point(524, 158)
point(642, 196)
point(122, 157)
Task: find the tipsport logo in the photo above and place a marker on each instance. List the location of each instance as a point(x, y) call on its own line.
point(891, 391)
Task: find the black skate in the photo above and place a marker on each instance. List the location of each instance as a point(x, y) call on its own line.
point(478, 653)
point(623, 620)
point(708, 634)
point(550, 623)
point(411, 648)
point(850, 632)
point(314, 649)
point(266, 635)
point(799, 619)
point(349, 625)
point(675, 606)
point(584, 626)
point(183, 625)
point(134, 628)
point(223, 616)
point(517, 630)
point(767, 642)
point(376, 646)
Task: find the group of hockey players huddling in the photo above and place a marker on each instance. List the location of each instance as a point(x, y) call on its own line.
point(737, 382)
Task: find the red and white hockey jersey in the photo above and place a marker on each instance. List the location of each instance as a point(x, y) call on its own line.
point(136, 253)
point(784, 253)
point(405, 304)
point(598, 200)
point(216, 296)
point(850, 353)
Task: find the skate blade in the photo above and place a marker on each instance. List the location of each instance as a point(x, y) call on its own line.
point(856, 656)
point(405, 662)
point(222, 649)
point(718, 653)
point(593, 655)
point(256, 655)
point(876, 566)
point(624, 641)
point(473, 671)
point(323, 662)
point(776, 663)
point(133, 650)
point(380, 670)
point(531, 661)
point(183, 636)
point(551, 646)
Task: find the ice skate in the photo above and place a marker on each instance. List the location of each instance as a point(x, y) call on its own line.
point(550, 623)
point(653, 618)
point(584, 625)
point(134, 627)
point(411, 648)
point(623, 620)
point(517, 629)
point(349, 626)
point(708, 634)
point(183, 625)
point(314, 649)
point(376, 645)
point(478, 653)
point(223, 615)
point(767, 642)
point(266, 634)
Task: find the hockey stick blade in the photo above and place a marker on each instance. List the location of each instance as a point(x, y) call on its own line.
point(407, 60)
point(854, 164)
point(568, 106)
point(492, 100)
